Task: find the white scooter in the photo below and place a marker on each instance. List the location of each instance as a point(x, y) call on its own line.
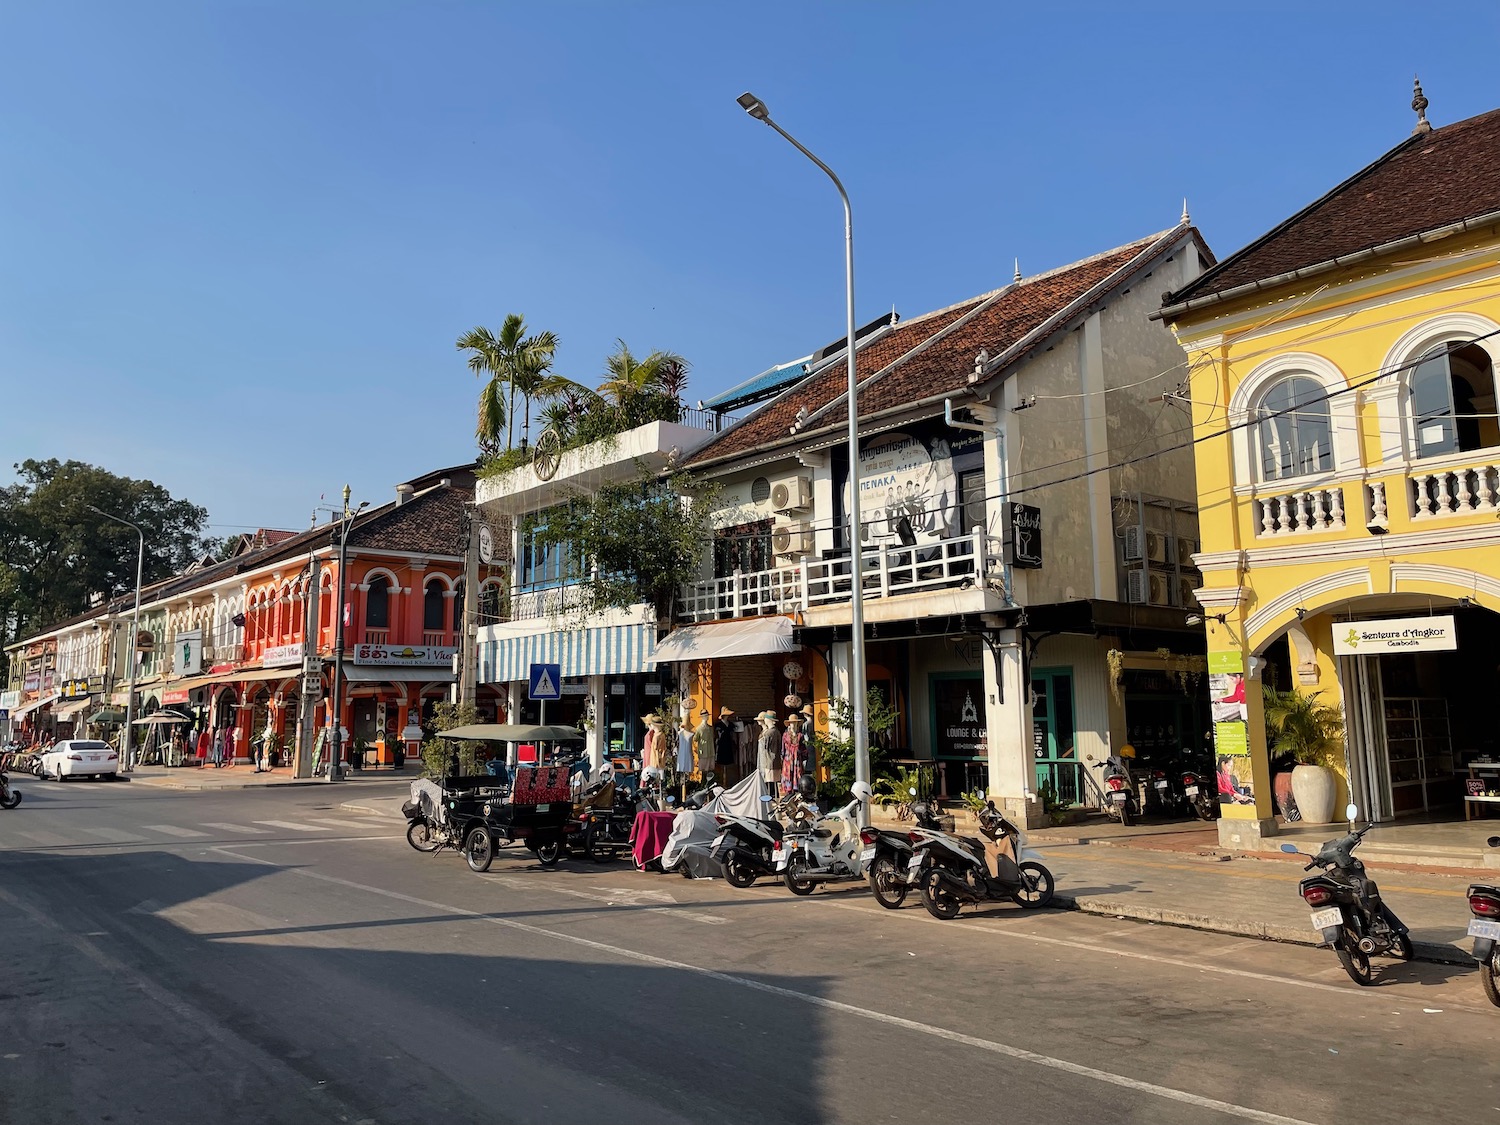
point(826, 850)
point(950, 871)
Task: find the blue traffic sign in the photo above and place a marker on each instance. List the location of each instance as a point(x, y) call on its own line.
point(545, 682)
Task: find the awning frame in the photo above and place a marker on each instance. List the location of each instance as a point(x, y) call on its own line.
point(725, 640)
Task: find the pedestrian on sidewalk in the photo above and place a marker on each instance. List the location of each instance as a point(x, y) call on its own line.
point(216, 749)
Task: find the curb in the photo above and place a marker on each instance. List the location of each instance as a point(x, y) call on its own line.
point(1439, 952)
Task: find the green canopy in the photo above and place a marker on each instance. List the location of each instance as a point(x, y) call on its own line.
point(107, 715)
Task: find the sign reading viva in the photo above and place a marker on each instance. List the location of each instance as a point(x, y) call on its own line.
point(390, 654)
point(1394, 634)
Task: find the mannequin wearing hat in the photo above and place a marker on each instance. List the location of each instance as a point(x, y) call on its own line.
point(650, 748)
point(792, 748)
point(703, 746)
point(726, 742)
point(765, 756)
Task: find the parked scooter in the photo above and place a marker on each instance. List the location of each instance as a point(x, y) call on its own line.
point(824, 849)
point(746, 845)
point(1484, 904)
point(1166, 792)
point(10, 796)
point(953, 870)
point(605, 814)
point(1120, 801)
point(1347, 909)
point(887, 852)
point(1201, 793)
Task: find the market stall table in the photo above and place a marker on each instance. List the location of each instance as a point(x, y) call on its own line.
point(648, 835)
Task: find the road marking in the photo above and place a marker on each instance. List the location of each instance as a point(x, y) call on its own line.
point(240, 828)
point(341, 825)
point(292, 827)
point(114, 836)
point(1167, 1093)
point(47, 839)
point(173, 830)
point(630, 898)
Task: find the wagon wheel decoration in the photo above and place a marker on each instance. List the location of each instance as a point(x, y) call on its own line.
point(548, 453)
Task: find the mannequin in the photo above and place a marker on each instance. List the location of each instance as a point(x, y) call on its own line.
point(703, 746)
point(649, 754)
point(726, 744)
point(766, 748)
point(791, 752)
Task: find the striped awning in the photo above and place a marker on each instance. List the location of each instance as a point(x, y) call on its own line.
point(611, 650)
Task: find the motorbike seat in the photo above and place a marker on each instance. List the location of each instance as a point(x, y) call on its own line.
point(822, 833)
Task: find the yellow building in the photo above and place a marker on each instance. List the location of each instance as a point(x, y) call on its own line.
point(1348, 463)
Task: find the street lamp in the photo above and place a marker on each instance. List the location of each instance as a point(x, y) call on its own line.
point(135, 625)
point(335, 756)
point(757, 109)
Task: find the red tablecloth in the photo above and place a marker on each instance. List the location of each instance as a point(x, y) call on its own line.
point(648, 835)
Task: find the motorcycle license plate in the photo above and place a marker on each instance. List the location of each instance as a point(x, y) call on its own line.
point(913, 863)
point(1479, 927)
point(1119, 798)
point(1323, 919)
point(866, 856)
point(1191, 790)
point(1161, 784)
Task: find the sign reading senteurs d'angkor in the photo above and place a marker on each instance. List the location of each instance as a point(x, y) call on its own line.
point(1394, 634)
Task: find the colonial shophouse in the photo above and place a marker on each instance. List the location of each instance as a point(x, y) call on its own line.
point(229, 644)
point(1348, 466)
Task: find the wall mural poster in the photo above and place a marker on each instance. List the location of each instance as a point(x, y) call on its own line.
point(1226, 693)
point(908, 485)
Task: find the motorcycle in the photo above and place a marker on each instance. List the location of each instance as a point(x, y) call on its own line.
point(1201, 793)
point(10, 796)
point(604, 816)
point(1347, 908)
point(953, 870)
point(1167, 792)
point(1120, 801)
point(824, 849)
point(887, 852)
point(746, 845)
point(1484, 904)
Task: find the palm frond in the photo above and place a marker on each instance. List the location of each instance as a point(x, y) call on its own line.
point(491, 413)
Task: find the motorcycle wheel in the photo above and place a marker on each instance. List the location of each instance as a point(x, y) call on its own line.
point(795, 863)
point(479, 850)
point(12, 799)
point(591, 846)
point(1355, 963)
point(1036, 886)
point(736, 872)
point(1489, 975)
point(939, 900)
point(886, 883)
point(549, 853)
point(1402, 949)
point(419, 834)
point(1125, 814)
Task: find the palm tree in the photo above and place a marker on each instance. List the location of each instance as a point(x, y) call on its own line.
point(513, 359)
point(628, 378)
point(1299, 724)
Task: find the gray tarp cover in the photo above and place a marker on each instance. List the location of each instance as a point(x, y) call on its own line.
point(697, 828)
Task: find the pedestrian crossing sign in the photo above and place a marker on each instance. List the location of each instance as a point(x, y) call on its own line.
point(546, 682)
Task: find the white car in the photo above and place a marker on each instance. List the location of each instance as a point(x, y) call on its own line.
point(79, 757)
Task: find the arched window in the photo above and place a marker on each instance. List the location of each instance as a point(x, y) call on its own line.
point(325, 605)
point(1452, 402)
point(489, 603)
point(458, 608)
point(432, 606)
point(1293, 433)
point(378, 603)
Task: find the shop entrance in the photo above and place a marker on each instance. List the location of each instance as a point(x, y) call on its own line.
point(1057, 765)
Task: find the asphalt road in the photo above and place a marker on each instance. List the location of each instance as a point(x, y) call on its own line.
point(262, 955)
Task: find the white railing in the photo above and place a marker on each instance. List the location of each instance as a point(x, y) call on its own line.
point(887, 571)
point(1299, 512)
point(534, 604)
point(1457, 491)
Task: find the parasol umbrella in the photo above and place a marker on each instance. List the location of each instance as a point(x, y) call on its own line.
point(160, 718)
point(512, 732)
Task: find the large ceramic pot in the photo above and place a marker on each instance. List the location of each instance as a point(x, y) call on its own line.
point(1286, 801)
point(1313, 788)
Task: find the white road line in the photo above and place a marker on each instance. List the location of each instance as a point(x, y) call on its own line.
point(1167, 1093)
point(658, 902)
point(114, 836)
point(173, 830)
point(292, 827)
point(342, 825)
point(47, 839)
point(243, 830)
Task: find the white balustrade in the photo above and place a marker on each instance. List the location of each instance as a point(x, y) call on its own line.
point(1299, 512)
point(1458, 491)
point(743, 594)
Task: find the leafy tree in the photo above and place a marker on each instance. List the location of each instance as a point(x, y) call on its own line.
point(834, 750)
point(1299, 725)
point(513, 361)
point(55, 552)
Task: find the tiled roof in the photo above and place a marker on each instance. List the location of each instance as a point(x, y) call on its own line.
point(1428, 181)
point(431, 523)
point(1017, 312)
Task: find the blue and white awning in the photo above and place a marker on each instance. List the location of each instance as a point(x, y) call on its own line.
point(611, 650)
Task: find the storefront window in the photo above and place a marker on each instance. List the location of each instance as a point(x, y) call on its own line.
point(377, 603)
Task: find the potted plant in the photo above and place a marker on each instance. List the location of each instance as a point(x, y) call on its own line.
point(1312, 733)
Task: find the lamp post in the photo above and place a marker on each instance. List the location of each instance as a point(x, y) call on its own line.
point(336, 751)
point(135, 624)
point(757, 109)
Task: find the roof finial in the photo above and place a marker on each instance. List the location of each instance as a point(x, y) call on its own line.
point(1419, 103)
point(1018, 269)
point(1185, 219)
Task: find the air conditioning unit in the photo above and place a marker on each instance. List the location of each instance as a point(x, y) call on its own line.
point(1132, 544)
point(792, 540)
point(1186, 549)
point(1161, 589)
point(1185, 588)
point(1137, 588)
point(792, 494)
point(1158, 546)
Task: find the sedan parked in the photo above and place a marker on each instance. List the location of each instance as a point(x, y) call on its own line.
point(79, 757)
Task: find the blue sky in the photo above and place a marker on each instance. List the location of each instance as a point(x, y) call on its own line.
point(238, 240)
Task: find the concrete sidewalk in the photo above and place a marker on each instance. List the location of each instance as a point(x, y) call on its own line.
point(1178, 878)
point(243, 776)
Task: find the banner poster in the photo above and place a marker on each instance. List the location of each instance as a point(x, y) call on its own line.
point(1226, 693)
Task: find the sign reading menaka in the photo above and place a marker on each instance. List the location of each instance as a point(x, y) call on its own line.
point(1395, 634)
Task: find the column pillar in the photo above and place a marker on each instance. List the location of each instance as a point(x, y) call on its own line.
point(1239, 733)
point(598, 736)
point(1007, 712)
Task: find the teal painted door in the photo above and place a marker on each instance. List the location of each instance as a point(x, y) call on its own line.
point(1052, 744)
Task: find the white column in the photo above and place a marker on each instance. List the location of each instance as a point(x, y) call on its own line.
point(598, 738)
point(838, 672)
point(1007, 710)
point(514, 695)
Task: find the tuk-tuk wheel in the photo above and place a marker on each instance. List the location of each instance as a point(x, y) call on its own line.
point(479, 850)
point(549, 853)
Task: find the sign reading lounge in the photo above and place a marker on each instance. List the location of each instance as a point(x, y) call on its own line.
point(1395, 634)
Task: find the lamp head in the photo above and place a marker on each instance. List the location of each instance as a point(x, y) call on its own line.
point(754, 106)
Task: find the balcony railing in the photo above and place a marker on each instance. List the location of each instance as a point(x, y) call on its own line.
point(1456, 489)
point(886, 572)
point(377, 637)
point(434, 640)
point(1299, 511)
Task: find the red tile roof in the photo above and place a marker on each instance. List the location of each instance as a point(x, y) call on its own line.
point(1017, 312)
point(1428, 181)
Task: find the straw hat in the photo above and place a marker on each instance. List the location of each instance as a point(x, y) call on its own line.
point(766, 715)
point(726, 713)
point(796, 717)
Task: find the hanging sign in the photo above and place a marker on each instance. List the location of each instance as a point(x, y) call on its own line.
point(278, 656)
point(1394, 634)
point(1023, 542)
point(188, 652)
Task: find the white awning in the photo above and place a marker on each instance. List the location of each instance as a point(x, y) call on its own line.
point(719, 640)
point(21, 712)
point(607, 650)
point(70, 711)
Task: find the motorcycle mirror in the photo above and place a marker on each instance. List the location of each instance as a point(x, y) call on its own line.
point(1290, 849)
point(765, 798)
point(913, 790)
point(1351, 812)
point(983, 796)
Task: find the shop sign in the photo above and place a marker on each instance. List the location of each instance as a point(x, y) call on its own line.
point(653, 689)
point(958, 717)
point(10, 700)
point(1023, 543)
point(428, 655)
point(75, 689)
point(168, 697)
point(575, 689)
point(908, 484)
point(616, 689)
point(188, 652)
point(278, 656)
point(1395, 634)
point(1235, 773)
point(96, 685)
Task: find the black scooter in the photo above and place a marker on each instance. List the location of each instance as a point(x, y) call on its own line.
point(10, 796)
point(887, 854)
point(1484, 904)
point(746, 846)
point(1346, 904)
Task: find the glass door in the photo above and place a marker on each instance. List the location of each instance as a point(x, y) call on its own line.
point(1052, 745)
